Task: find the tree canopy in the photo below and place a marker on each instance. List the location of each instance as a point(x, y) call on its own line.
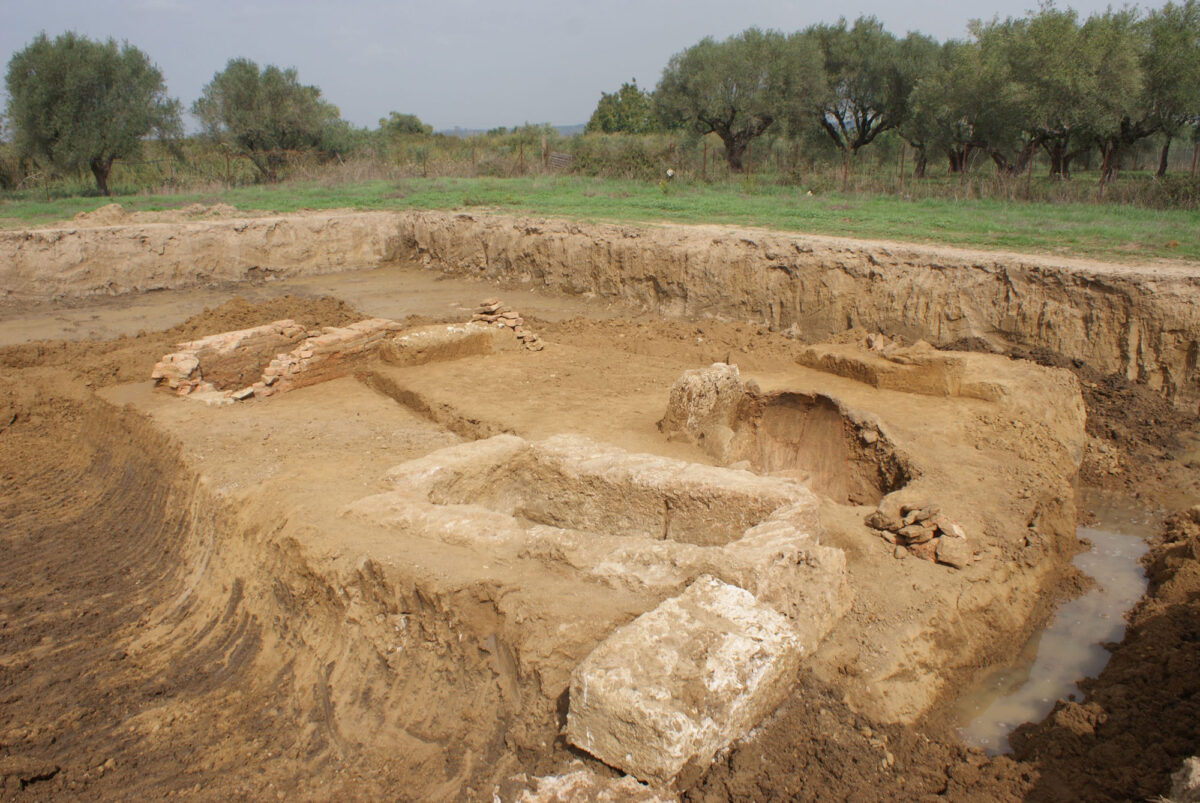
point(263, 113)
point(1171, 67)
point(396, 123)
point(628, 111)
point(869, 75)
point(1049, 81)
point(738, 88)
point(74, 103)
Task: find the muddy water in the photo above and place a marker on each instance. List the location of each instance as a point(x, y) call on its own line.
point(1050, 665)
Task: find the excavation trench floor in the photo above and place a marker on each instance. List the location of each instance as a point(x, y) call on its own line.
point(188, 575)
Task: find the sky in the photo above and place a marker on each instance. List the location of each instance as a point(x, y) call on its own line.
point(467, 63)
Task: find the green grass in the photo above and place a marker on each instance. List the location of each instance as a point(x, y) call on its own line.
point(1108, 232)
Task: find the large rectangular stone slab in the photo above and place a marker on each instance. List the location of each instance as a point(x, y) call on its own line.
point(682, 681)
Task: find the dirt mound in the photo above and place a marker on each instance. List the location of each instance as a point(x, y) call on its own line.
point(817, 748)
point(1135, 432)
point(1131, 416)
point(107, 215)
point(237, 313)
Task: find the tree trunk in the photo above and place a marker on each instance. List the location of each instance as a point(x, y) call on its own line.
point(1162, 158)
point(100, 169)
point(1108, 163)
point(264, 164)
point(955, 157)
point(1060, 160)
point(735, 153)
point(1106, 170)
point(1002, 163)
point(920, 161)
point(1024, 158)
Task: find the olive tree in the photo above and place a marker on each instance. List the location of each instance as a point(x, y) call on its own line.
point(1171, 68)
point(75, 104)
point(738, 88)
point(263, 113)
point(1114, 108)
point(869, 75)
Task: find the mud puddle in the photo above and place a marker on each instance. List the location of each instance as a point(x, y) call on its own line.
point(1072, 647)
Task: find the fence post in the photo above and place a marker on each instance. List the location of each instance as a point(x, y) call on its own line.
point(704, 163)
point(1104, 169)
point(903, 148)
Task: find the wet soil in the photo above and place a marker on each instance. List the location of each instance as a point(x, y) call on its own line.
point(1139, 718)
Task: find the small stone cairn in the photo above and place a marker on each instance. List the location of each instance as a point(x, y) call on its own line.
point(494, 313)
point(922, 530)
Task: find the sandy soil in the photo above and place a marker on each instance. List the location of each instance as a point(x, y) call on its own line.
point(138, 660)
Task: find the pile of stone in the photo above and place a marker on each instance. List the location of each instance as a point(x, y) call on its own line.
point(880, 343)
point(495, 313)
point(922, 530)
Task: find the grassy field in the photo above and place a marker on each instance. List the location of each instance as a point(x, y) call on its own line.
point(1112, 233)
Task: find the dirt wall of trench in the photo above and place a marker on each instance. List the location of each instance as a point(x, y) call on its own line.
point(1142, 322)
point(194, 642)
point(81, 261)
point(1139, 321)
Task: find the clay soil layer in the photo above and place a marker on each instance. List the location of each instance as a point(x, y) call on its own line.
point(193, 602)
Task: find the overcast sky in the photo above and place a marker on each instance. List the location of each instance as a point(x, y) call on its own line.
point(468, 63)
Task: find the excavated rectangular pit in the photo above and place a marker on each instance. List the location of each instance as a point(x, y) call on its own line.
point(562, 483)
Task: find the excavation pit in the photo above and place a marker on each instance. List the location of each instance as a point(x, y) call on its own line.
point(838, 452)
point(427, 636)
point(573, 538)
point(655, 524)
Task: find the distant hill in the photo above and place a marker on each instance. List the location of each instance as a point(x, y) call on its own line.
point(563, 130)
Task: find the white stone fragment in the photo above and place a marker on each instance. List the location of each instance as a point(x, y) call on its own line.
point(682, 681)
point(585, 786)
